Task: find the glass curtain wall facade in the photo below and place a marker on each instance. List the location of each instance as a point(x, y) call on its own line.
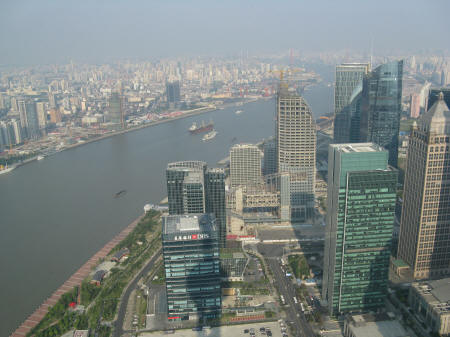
point(216, 199)
point(348, 84)
point(360, 220)
point(192, 188)
point(115, 112)
point(381, 107)
point(191, 263)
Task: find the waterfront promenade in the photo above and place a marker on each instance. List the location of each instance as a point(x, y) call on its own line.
point(73, 281)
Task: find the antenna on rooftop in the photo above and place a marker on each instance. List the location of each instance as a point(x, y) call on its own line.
point(371, 53)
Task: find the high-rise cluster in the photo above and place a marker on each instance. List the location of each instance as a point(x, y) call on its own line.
point(372, 113)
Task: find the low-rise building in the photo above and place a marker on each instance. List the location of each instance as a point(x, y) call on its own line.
point(98, 277)
point(121, 255)
point(430, 301)
point(369, 325)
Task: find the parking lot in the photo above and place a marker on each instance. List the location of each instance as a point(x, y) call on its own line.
point(234, 330)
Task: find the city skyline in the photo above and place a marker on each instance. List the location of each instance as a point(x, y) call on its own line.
point(250, 149)
point(45, 33)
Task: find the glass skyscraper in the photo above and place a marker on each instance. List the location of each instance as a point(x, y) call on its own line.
point(192, 188)
point(348, 85)
point(360, 220)
point(191, 264)
point(115, 111)
point(381, 98)
point(173, 92)
point(29, 118)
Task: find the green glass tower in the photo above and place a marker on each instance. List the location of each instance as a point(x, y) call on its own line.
point(360, 220)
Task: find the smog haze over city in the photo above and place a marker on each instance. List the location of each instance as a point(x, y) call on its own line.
point(240, 167)
point(33, 32)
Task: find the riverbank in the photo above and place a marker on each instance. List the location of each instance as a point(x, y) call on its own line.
point(188, 113)
point(75, 280)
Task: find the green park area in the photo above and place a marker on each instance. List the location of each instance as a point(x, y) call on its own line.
point(299, 266)
point(99, 303)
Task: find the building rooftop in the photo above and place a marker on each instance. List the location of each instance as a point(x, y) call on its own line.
point(174, 224)
point(437, 118)
point(375, 326)
point(358, 147)
point(435, 292)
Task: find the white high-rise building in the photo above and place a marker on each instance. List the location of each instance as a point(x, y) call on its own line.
point(296, 151)
point(245, 165)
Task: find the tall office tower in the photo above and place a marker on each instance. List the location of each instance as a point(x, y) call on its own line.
point(192, 188)
point(5, 139)
point(414, 106)
point(296, 151)
point(173, 92)
point(360, 220)
point(115, 110)
point(215, 200)
point(15, 125)
point(349, 77)
point(29, 118)
point(424, 231)
point(14, 104)
point(42, 115)
point(2, 102)
point(55, 115)
point(52, 100)
point(191, 264)
point(381, 107)
point(270, 157)
point(245, 165)
point(185, 187)
point(433, 96)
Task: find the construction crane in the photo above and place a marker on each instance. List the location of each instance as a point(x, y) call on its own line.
point(282, 73)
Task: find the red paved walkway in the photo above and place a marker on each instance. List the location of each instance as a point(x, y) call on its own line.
point(73, 281)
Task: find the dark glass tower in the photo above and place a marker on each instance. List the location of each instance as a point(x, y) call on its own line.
point(115, 111)
point(29, 118)
point(215, 200)
point(270, 157)
point(360, 221)
point(192, 188)
point(381, 107)
point(191, 263)
point(348, 84)
point(173, 92)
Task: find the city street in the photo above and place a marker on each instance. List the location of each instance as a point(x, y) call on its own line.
point(286, 288)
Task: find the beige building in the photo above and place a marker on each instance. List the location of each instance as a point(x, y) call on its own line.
point(430, 301)
point(368, 325)
point(424, 242)
point(296, 151)
point(245, 165)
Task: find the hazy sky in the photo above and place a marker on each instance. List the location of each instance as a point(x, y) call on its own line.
point(47, 31)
